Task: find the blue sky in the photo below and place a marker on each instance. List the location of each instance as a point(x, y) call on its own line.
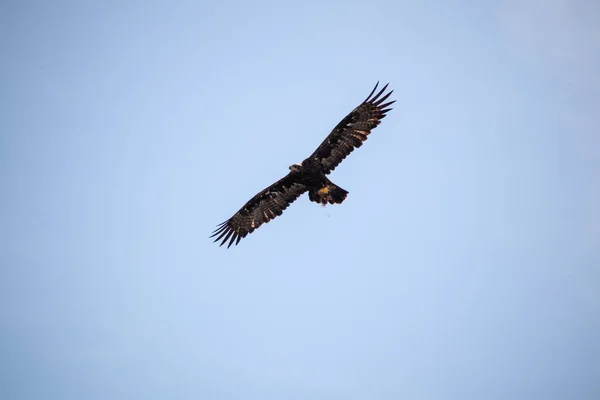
point(464, 263)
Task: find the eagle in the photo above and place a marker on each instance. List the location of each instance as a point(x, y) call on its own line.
point(310, 175)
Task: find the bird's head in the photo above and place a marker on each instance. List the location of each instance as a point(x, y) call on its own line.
point(296, 167)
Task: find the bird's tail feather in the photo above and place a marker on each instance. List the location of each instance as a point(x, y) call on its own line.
point(331, 193)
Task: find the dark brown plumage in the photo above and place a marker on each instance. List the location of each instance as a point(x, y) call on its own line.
point(309, 176)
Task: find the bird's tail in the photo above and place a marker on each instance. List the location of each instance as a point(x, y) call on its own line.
point(330, 193)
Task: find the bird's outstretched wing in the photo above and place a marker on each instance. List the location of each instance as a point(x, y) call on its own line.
point(352, 131)
point(262, 208)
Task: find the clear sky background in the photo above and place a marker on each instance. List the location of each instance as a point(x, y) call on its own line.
point(464, 264)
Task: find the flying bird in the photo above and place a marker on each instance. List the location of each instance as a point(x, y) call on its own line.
point(311, 175)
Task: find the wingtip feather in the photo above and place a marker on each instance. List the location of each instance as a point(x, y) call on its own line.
point(372, 91)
